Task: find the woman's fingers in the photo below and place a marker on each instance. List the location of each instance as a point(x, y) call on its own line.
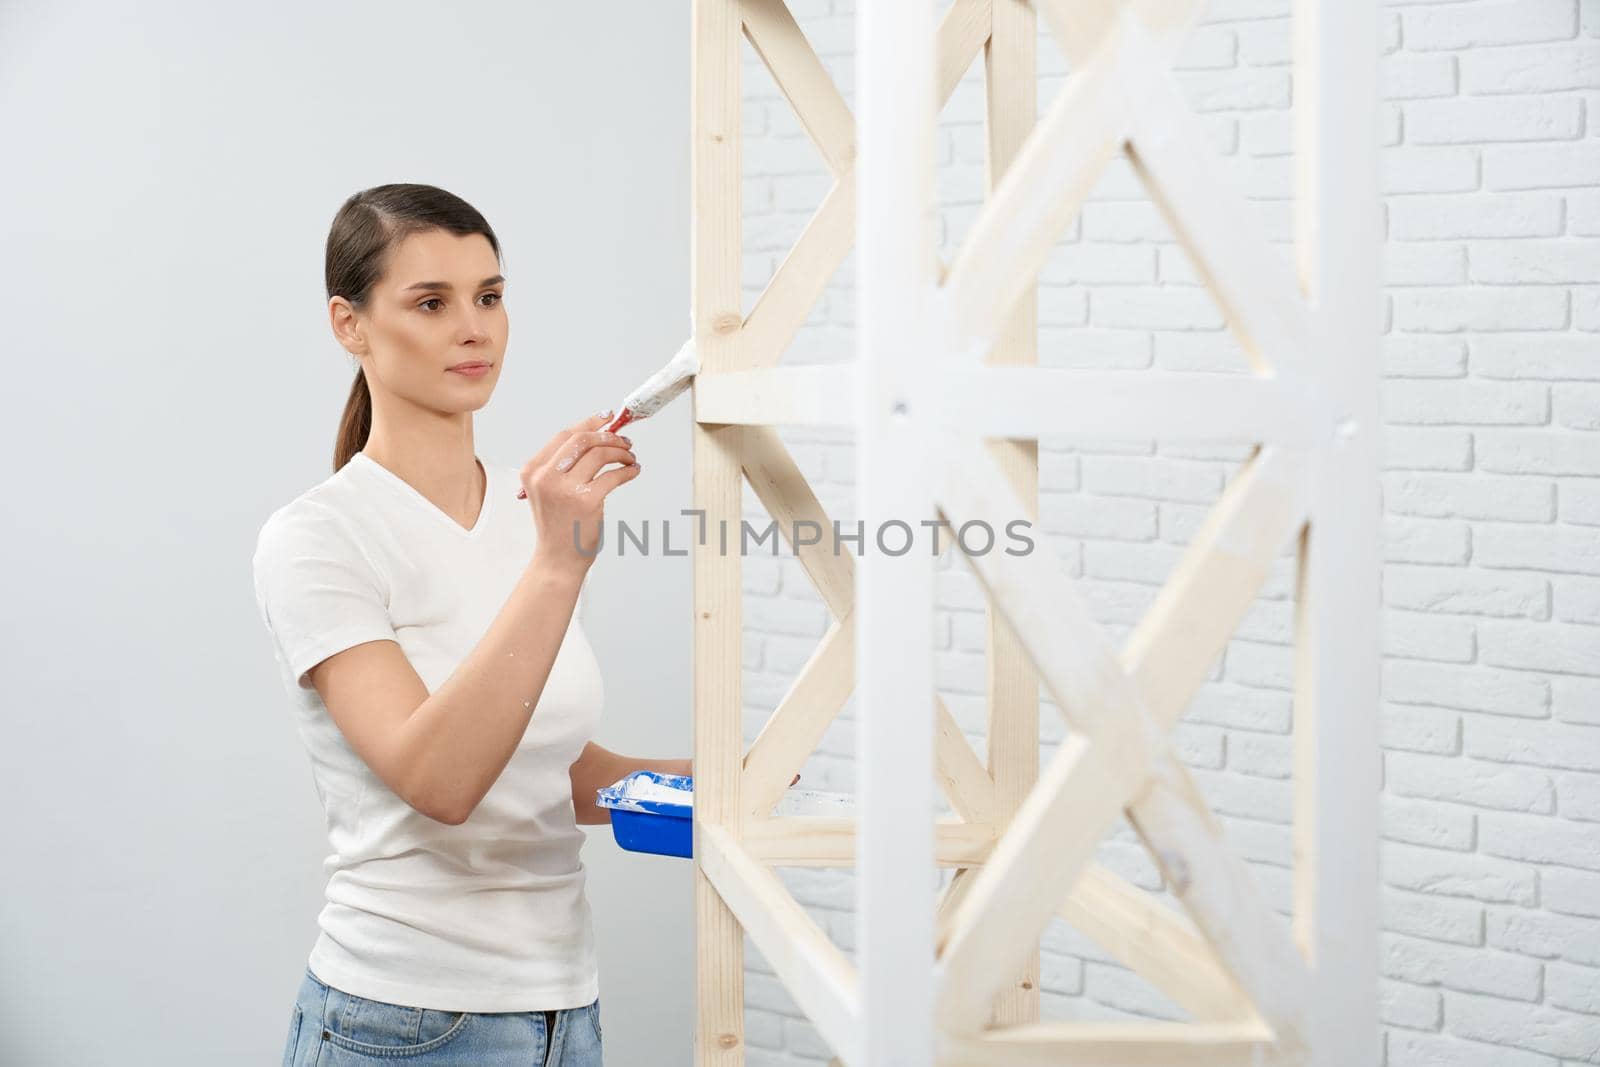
point(585, 425)
point(614, 477)
point(588, 425)
point(598, 456)
point(579, 443)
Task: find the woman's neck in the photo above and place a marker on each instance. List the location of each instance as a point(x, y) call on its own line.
point(445, 472)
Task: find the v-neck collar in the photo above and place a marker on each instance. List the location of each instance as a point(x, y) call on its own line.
point(407, 488)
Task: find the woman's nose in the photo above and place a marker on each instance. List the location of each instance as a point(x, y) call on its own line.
point(475, 328)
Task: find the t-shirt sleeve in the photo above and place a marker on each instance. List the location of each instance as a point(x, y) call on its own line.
point(315, 589)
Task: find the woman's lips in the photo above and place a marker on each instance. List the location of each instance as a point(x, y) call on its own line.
point(472, 370)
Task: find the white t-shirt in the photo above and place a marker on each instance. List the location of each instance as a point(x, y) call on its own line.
point(486, 916)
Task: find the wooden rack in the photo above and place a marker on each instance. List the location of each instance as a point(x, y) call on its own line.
point(946, 372)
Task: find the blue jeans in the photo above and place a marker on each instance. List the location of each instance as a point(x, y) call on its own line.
point(331, 1028)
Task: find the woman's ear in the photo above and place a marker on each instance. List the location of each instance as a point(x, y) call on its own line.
point(346, 324)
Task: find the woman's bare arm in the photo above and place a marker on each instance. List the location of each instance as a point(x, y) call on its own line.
point(599, 767)
point(448, 765)
point(441, 752)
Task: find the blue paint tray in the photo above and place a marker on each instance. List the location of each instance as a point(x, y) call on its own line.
point(641, 825)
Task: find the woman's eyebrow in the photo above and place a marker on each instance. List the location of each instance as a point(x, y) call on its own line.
point(446, 285)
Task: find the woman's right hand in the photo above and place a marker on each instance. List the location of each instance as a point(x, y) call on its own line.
point(564, 487)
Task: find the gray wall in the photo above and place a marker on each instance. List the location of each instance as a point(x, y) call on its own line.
point(169, 180)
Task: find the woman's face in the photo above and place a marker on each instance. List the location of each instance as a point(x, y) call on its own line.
point(438, 305)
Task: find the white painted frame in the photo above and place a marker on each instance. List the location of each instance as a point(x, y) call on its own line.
point(946, 372)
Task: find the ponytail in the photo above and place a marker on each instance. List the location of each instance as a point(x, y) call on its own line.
point(356, 422)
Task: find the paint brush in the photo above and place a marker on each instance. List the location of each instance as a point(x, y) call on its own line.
point(658, 390)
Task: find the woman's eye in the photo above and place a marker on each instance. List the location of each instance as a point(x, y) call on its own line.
point(436, 300)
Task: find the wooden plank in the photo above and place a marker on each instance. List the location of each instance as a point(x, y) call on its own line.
point(803, 276)
point(1035, 200)
point(1159, 943)
point(801, 719)
point(802, 78)
point(831, 841)
point(718, 741)
point(965, 780)
point(1252, 942)
point(1252, 282)
point(950, 898)
point(895, 95)
point(1081, 26)
point(1216, 580)
point(1065, 815)
point(1012, 685)
point(813, 970)
point(1044, 608)
point(1042, 604)
point(1307, 867)
point(806, 84)
point(1337, 685)
point(805, 395)
point(1214, 585)
point(787, 300)
point(1113, 1044)
point(784, 492)
point(1219, 230)
point(1140, 405)
point(718, 490)
point(964, 29)
point(1047, 845)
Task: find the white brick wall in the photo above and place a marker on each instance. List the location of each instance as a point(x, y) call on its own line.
point(1491, 171)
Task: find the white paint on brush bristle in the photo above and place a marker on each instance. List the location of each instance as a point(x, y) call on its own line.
point(665, 384)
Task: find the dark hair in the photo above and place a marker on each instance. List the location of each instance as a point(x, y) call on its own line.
point(367, 226)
